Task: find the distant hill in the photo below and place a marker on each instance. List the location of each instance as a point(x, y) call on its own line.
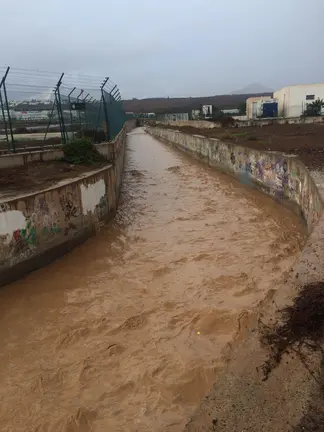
point(253, 88)
point(172, 105)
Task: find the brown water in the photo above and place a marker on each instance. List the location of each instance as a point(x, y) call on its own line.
point(126, 333)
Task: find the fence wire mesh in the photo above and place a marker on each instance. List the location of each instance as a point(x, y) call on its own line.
point(41, 108)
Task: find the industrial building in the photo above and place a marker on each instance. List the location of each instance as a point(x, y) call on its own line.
point(293, 100)
point(254, 106)
point(288, 102)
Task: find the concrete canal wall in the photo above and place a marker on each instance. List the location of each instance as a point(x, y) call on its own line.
point(38, 227)
point(259, 122)
point(283, 177)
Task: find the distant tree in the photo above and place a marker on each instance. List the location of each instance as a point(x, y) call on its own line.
point(314, 109)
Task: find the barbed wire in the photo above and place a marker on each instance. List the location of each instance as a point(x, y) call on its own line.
point(28, 84)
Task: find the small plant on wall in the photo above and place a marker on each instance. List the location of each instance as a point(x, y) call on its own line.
point(81, 151)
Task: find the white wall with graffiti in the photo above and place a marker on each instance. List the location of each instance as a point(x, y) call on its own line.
point(31, 225)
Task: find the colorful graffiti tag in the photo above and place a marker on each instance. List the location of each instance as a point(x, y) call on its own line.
point(70, 210)
point(27, 236)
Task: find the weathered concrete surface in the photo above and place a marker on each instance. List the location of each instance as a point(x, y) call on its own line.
point(55, 218)
point(38, 227)
point(283, 177)
point(240, 400)
point(244, 123)
point(203, 124)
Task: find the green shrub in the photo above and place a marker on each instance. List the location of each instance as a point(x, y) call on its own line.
point(81, 151)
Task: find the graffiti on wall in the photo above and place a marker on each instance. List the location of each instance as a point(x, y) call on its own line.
point(69, 206)
point(47, 220)
point(47, 217)
point(70, 209)
point(274, 174)
point(24, 241)
point(282, 178)
point(27, 235)
point(4, 207)
point(35, 223)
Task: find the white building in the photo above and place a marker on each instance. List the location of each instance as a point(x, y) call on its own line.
point(195, 114)
point(31, 115)
point(292, 100)
point(231, 111)
point(173, 117)
point(207, 111)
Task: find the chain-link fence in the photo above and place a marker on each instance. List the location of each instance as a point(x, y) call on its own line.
point(39, 108)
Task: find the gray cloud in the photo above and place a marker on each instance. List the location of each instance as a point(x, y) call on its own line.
point(170, 48)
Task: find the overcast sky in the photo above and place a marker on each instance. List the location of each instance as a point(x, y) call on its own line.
point(169, 47)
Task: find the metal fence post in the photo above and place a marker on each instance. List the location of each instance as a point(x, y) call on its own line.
point(85, 110)
point(49, 123)
point(4, 119)
point(69, 99)
point(95, 103)
point(79, 114)
point(59, 108)
point(105, 108)
point(3, 85)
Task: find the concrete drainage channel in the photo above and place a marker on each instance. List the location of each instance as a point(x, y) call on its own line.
point(273, 379)
point(255, 391)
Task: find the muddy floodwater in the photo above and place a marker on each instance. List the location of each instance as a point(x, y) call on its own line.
point(128, 331)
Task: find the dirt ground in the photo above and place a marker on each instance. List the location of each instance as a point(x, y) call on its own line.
point(39, 175)
point(304, 140)
point(22, 145)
